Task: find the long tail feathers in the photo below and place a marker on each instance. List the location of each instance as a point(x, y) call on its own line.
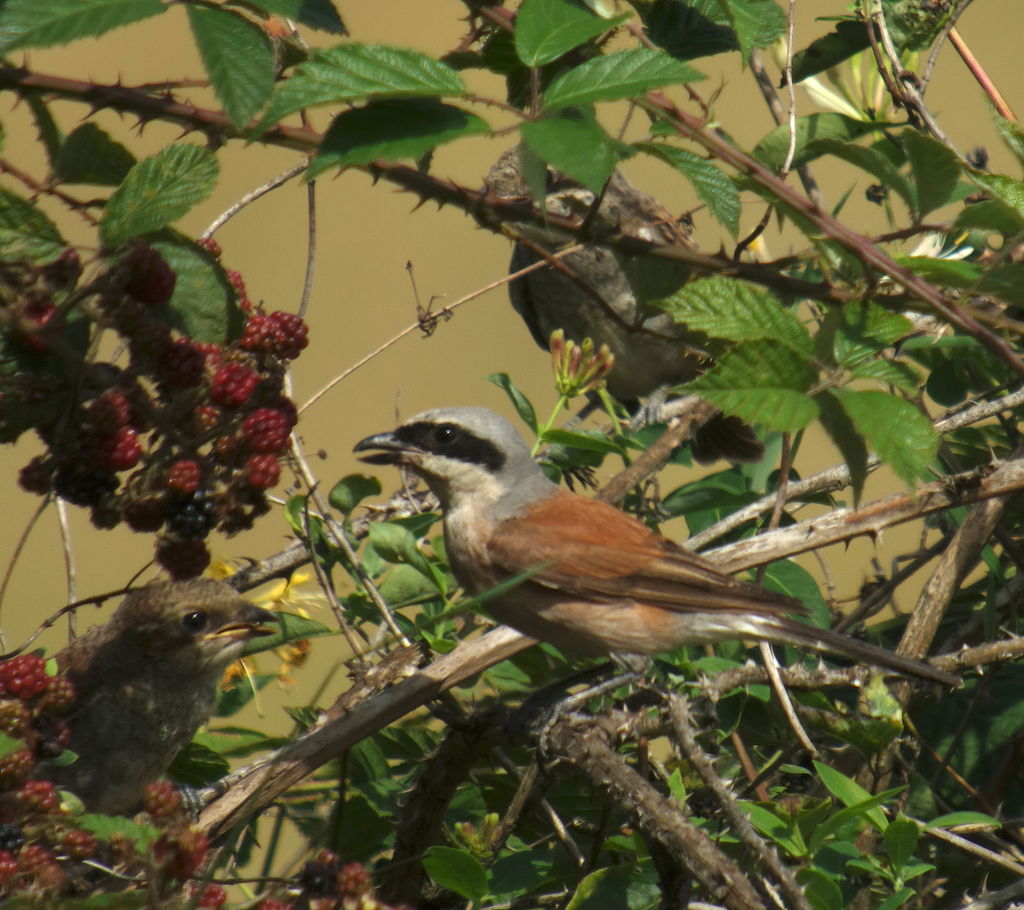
point(798, 633)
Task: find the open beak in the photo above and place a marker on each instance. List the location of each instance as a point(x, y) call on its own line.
point(251, 625)
point(389, 449)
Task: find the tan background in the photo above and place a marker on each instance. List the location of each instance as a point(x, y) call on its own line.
point(366, 234)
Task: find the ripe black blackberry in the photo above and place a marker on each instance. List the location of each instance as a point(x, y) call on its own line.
point(11, 838)
point(82, 486)
point(192, 518)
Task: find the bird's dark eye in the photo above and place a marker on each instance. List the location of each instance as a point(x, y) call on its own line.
point(194, 621)
point(445, 434)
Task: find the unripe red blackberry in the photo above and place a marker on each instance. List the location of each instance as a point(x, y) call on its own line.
point(148, 277)
point(289, 334)
point(24, 676)
point(236, 281)
point(258, 333)
point(126, 451)
point(32, 856)
point(40, 795)
point(161, 799)
point(272, 903)
point(182, 854)
point(37, 312)
point(266, 430)
point(208, 417)
point(211, 246)
point(59, 697)
point(182, 364)
point(8, 866)
point(354, 880)
point(233, 384)
point(15, 767)
point(184, 475)
point(109, 412)
point(79, 844)
point(182, 558)
point(262, 471)
point(213, 896)
point(145, 515)
point(37, 475)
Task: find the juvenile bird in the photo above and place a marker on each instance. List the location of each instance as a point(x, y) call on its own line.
point(601, 581)
point(145, 682)
point(600, 293)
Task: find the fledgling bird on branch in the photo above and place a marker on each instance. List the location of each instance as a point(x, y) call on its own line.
point(600, 293)
point(146, 681)
point(601, 581)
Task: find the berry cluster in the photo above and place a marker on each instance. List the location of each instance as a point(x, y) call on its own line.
point(43, 843)
point(327, 882)
point(182, 438)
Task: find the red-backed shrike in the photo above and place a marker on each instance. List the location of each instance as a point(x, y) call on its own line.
point(601, 581)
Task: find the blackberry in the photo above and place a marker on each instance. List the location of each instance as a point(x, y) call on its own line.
point(15, 767)
point(146, 514)
point(59, 696)
point(8, 866)
point(354, 880)
point(148, 277)
point(79, 844)
point(211, 246)
point(182, 364)
point(24, 676)
point(182, 558)
point(232, 385)
point(37, 475)
point(161, 798)
point(192, 518)
point(40, 795)
point(64, 271)
point(184, 475)
point(289, 334)
point(109, 412)
point(266, 430)
point(82, 486)
point(262, 471)
point(11, 838)
point(319, 879)
point(213, 896)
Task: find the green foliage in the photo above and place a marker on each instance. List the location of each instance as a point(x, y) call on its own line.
point(157, 191)
point(546, 29)
point(26, 23)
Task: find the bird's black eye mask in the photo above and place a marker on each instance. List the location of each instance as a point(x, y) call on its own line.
point(452, 441)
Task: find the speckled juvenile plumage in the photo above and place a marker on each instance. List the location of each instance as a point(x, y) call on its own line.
point(145, 682)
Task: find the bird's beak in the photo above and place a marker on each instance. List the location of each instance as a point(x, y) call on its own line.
point(389, 449)
point(251, 625)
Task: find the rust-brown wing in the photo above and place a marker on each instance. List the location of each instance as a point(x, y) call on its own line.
point(592, 550)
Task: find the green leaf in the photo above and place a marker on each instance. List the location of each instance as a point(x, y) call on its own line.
point(821, 891)
point(901, 435)
point(519, 401)
point(546, 29)
point(901, 841)
point(49, 133)
point(877, 164)
point(935, 168)
point(319, 14)
point(288, 628)
point(1013, 135)
point(1005, 189)
point(686, 30)
point(850, 443)
point(158, 190)
point(625, 74)
point(898, 898)
point(203, 304)
point(9, 744)
point(862, 329)
point(851, 794)
point(577, 146)
point(456, 870)
point(89, 155)
point(757, 23)
point(353, 72)
point(738, 311)
point(713, 186)
point(771, 151)
point(890, 372)
point(106, 827)
point(231, 700)
point(582, 440)
point(956, 819)
point(237, 57)
point(631, 886)
point(792, 579)
point(351, 490)
point(779, 830)
point(990, 214)
point(197, 766)
point(401, 128)
point(25, 232)
point(761, 382)
point(30, 23)
point(848, 38)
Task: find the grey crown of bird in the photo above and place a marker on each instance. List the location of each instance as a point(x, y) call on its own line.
point(145, 682)
point(598, 580)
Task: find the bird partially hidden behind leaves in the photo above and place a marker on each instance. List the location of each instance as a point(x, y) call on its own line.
point(590, 578)
point(599, 293)
point(145, 682)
